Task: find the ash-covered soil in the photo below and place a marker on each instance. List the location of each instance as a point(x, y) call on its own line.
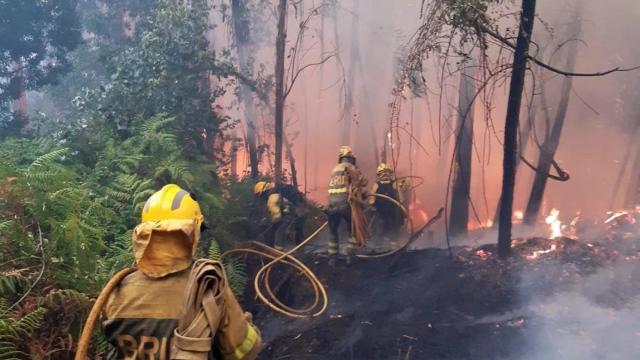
point(467, 304)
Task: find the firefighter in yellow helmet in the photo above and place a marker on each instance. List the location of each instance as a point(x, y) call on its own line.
point(390, 217)
point(344, 178)
point(173, 307)
point(286, 211)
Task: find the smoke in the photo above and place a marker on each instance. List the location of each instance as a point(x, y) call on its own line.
point(599, 319)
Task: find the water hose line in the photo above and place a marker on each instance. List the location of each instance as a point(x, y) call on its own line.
point(89, 325)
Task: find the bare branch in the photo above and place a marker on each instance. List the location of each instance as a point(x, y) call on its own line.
point(506, 42)
point(293, 81)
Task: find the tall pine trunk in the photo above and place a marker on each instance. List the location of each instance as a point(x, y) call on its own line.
point(279, 73)
point(551, 143)
point(511, 125)
point(461, 190)
point(241, 32)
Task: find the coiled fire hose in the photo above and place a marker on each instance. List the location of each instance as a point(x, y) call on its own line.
point(261, 279)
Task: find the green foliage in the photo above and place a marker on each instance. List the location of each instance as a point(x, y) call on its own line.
point(35, 36)
point(234, 268)
point(15, 330)
point(141, 117)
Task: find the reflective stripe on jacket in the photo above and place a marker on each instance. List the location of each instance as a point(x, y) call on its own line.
point(342, 176)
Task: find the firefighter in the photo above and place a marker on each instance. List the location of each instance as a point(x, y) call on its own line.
point(390, 216)
point(286, 211)
point(345, 179)
point(148, 315)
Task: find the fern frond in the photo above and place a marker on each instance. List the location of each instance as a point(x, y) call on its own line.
point(11, 285)
point(29, 323)
point(6, 225)
point(49, 158)
point(215, 253)
point(67, 298)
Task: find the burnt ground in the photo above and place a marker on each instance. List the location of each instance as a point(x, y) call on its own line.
point(427, 304)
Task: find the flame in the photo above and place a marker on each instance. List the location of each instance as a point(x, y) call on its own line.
point(482, 225)
point(417, 213)
point(618, 214)
point(555, 226)
point(536, 254)
point(517, 217)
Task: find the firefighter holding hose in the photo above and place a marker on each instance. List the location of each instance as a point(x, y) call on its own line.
point(286, 210)
point(172, 307)
point(347, 197)
point(390, 216)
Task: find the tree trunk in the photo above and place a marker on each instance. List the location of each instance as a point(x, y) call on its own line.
point(511, 125)
point(551, 143)
point(319, 111)
point(461, 190)
point(19, 105)
point(241, 32)
point(279, 73)
point(292, 163)
point(233, 157)
point(522, 147)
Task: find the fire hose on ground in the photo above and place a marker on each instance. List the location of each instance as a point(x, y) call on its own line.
point(261, 281)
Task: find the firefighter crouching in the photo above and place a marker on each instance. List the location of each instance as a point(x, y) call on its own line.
point(346, 180)
point(389, 216)
point(173, 307)
point(286, 211)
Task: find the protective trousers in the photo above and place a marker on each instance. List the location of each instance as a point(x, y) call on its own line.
point(336, 214)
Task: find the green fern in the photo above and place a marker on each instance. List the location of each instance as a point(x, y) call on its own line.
point(6, 225)
point(11, 285)
point(14, 332)
point(236, 270)
point(49, 158)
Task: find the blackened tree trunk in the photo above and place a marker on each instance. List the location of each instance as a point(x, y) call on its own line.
point(551, 143)
point(241, 32)
point(522, 147)
point(233, 157)
point(279, 95)
point(511, 125)
point(461, 189)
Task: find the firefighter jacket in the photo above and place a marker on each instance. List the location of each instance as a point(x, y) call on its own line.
point(390, 189)
point(344, 176)
point(283, 200)
point(147, 309)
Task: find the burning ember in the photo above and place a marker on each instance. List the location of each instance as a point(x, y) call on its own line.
point(536, 254)
point(555, 226)
point(622, 215)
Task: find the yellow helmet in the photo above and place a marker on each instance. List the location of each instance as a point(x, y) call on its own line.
point(383, 167)
point(346, 151)
point(172, 203)
point(261, 187)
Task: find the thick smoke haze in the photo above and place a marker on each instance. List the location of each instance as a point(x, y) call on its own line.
point(592, 147)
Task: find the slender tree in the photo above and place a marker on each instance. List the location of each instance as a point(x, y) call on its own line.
point(551, 143)
point(241, 31)
point(354, 54)
point(511, 124)
point(461, 189)
point(279, 95)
